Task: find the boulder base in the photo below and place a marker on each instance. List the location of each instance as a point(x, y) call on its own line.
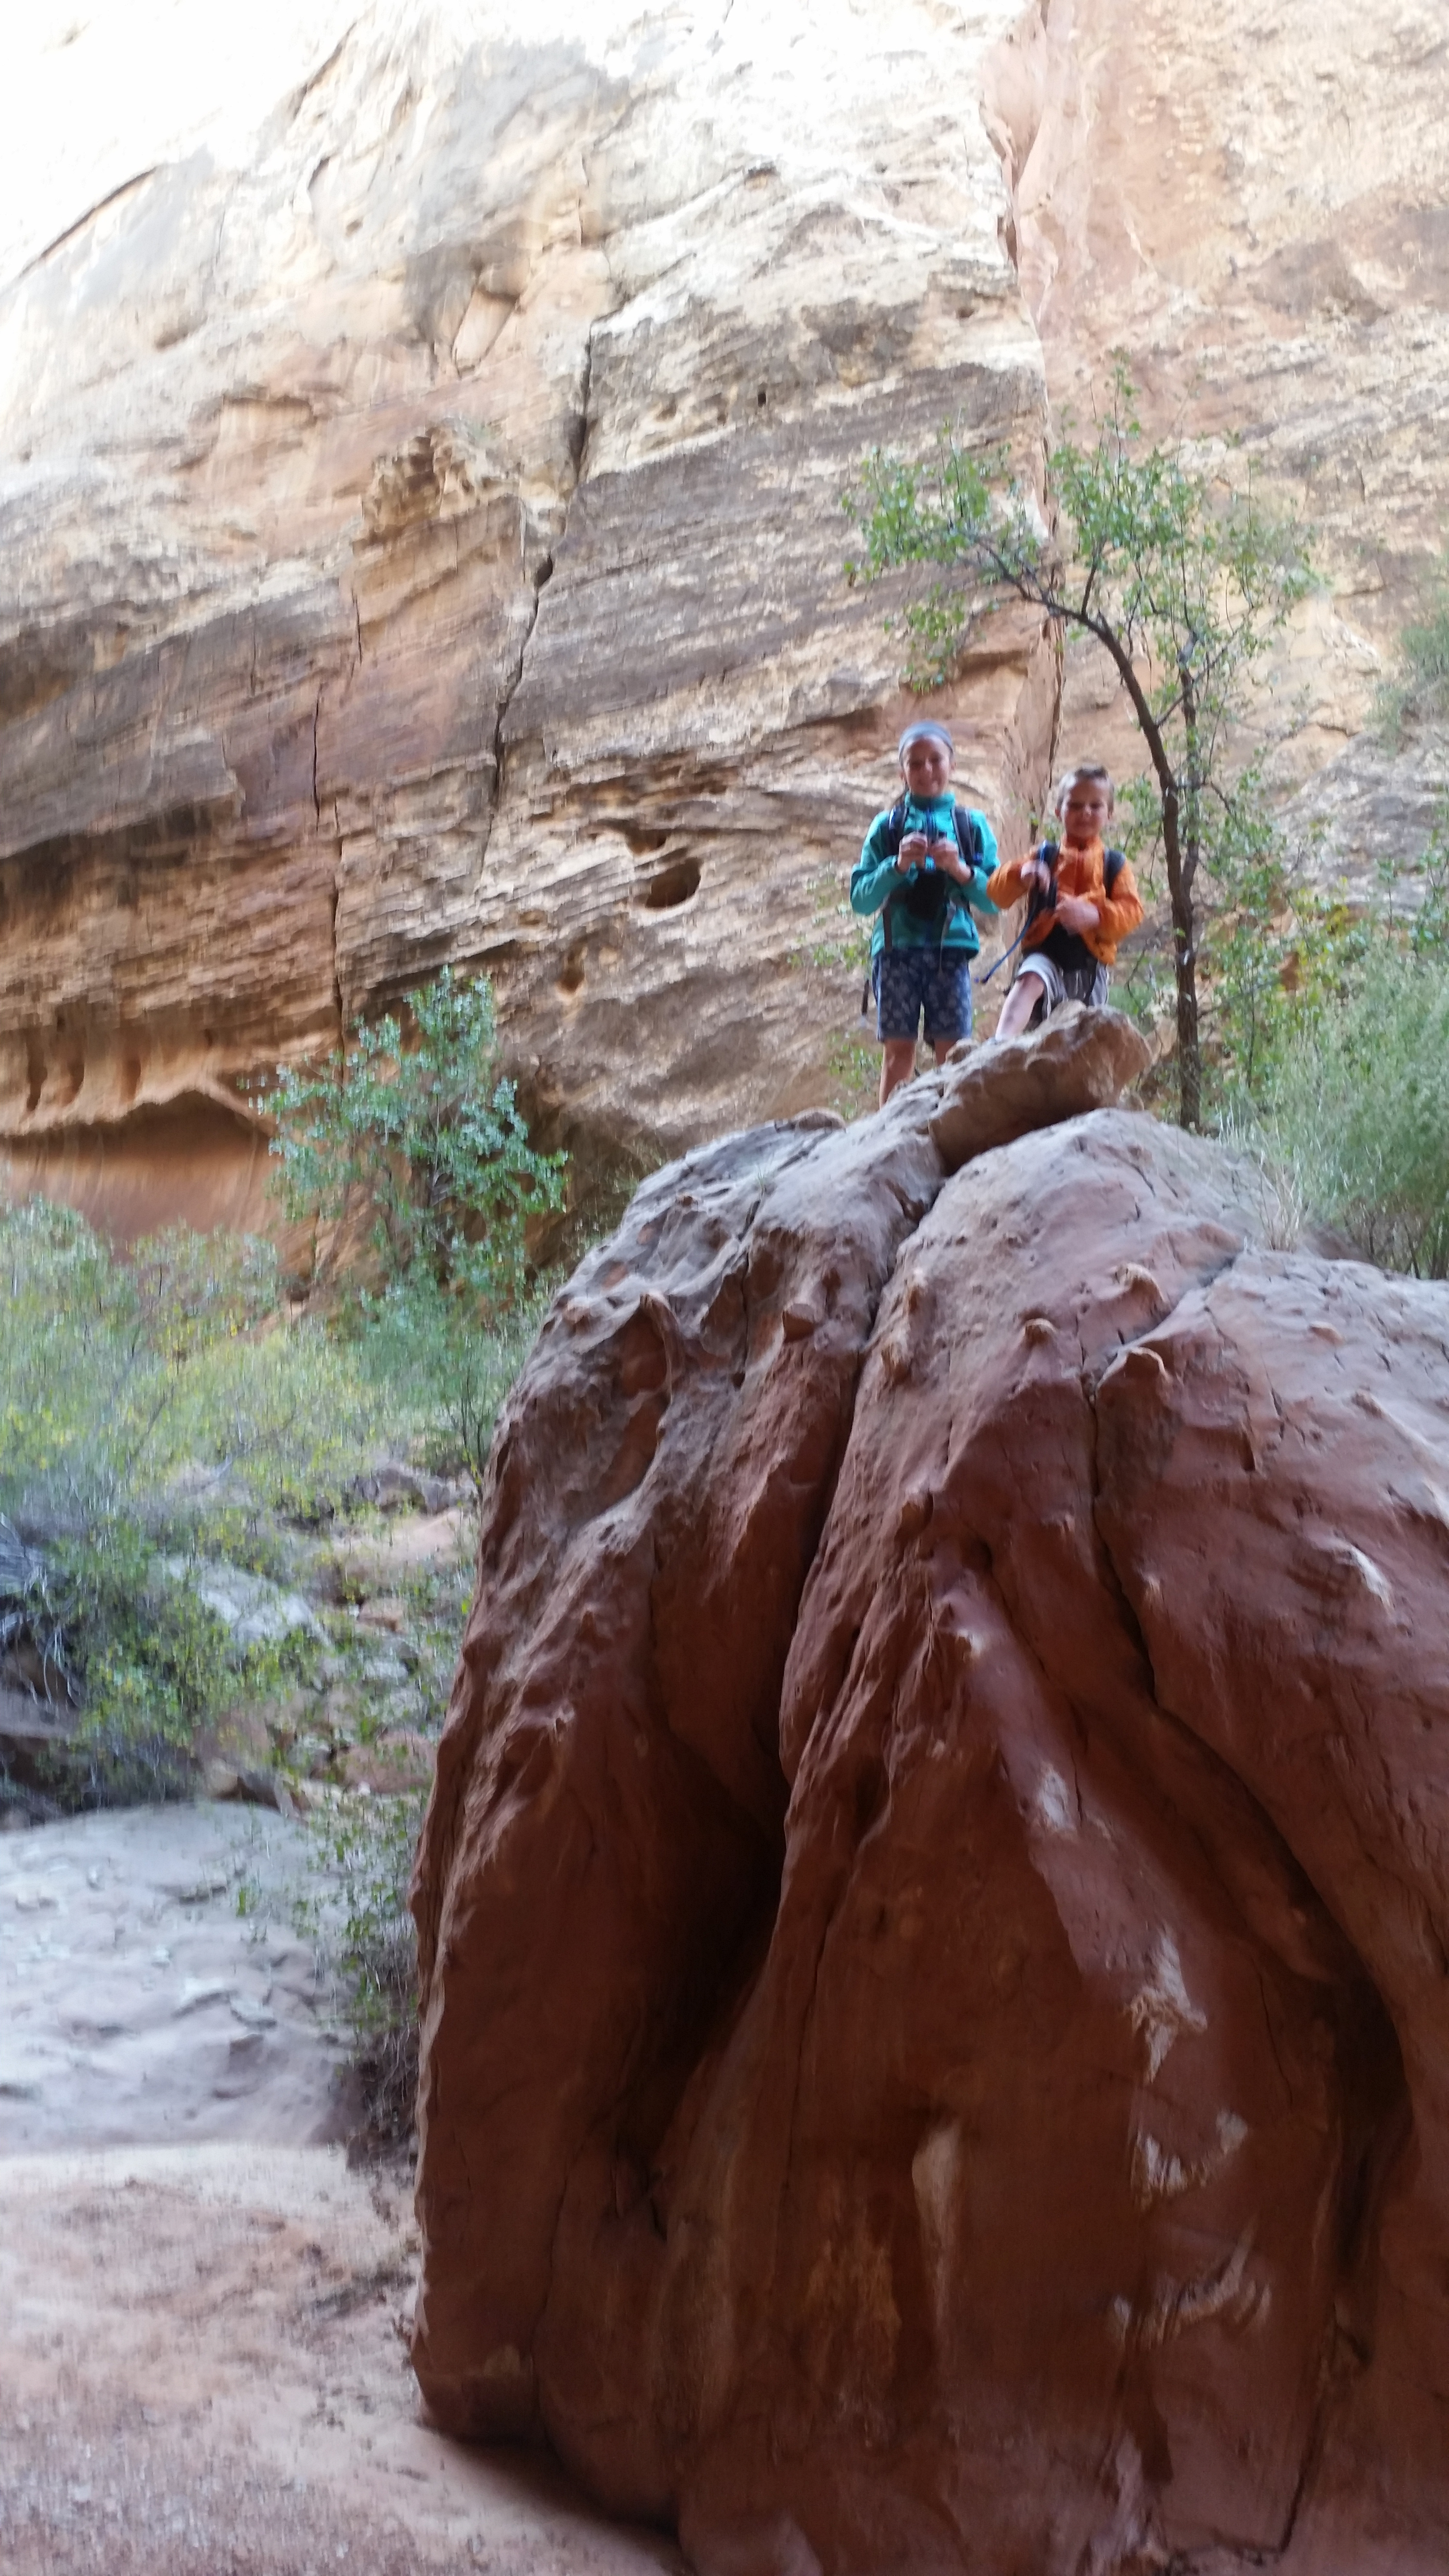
point(935, 1903)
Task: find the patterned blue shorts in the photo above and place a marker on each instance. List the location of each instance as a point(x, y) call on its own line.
point(908, 981)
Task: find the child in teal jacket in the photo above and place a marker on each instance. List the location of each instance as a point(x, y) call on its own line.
point(924, 862)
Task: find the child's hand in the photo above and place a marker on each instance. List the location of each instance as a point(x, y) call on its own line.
point(946, 855)
point(1076, 912)
point(912, 851)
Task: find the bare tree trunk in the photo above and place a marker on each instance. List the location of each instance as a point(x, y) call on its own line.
point(1184, 915)
point(1184, 963)
point(1180, 874)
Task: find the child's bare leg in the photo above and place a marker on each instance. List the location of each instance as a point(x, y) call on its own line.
point(943, 1047)
point(897, 1064)
point(1020, 1003)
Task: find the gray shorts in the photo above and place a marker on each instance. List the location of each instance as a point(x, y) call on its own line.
point(1076, 985)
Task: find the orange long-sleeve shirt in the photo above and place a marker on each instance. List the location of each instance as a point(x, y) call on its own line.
point(1080, 872)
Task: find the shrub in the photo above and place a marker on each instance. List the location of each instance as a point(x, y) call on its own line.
point(147, 1402)
point(148, 1661)
point(422, 1144)
point(422, 1148)
point(1420, 690)
point(116, 1372)
point(1358, 1111)
point(364, 1851)
point(1342, 1092)
point(96, 1350)
point(418, 1346)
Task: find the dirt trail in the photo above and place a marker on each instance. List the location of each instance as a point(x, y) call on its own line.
point(202, 2362)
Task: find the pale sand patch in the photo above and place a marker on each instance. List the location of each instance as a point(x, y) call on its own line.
point(140, 2006)
point(202, 2366)
point(202, 2311)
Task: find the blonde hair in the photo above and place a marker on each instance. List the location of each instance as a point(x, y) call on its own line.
point(1073, 778)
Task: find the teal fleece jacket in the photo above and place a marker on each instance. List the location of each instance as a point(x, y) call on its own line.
point(875, 876)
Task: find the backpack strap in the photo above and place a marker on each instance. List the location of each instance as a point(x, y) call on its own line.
point(1037, 903)
point(968, 836)
point(895, 828)
point(1113, 862)
point(895, 833)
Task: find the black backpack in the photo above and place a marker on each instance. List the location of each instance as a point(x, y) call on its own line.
point(930, 897)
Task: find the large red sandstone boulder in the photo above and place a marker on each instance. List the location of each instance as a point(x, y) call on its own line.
point(935, 1907)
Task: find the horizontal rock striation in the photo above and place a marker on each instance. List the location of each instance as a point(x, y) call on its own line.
point(934, 1908)
point(420, 489)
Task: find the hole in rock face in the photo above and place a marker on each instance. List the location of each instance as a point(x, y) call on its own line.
point(760, 399)
point(643, 843)
point(571, 973)
point(672, 886)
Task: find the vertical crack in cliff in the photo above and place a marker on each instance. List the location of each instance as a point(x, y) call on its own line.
point(509, 691)
point(337, 1003)
point(542, 573)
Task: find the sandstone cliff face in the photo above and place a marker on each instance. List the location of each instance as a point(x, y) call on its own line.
point(935, 1903)
point(421, 439)
point(421, 448)
point(1251, 206)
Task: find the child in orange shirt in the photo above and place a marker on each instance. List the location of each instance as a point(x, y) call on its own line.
point(1081, 900)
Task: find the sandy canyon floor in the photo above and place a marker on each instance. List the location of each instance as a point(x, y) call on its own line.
point(202, 2308)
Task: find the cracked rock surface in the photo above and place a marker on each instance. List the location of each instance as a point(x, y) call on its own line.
point(935, 1901)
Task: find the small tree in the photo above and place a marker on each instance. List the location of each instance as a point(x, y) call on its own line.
point(1181, 580)
point(425, 1140)
point(1417, 691)
point(424, 1145)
